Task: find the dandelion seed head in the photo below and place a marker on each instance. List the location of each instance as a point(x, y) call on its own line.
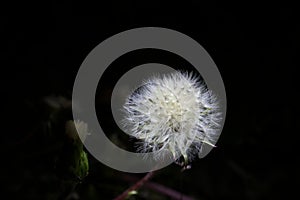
point(175, 113)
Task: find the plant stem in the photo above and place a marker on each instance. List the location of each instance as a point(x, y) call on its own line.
point(136, 186)
point(173, 194)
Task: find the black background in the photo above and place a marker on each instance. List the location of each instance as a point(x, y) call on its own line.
point(254, 46)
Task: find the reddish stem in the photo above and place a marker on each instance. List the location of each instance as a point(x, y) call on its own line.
point(136, 186)
point(173, 194)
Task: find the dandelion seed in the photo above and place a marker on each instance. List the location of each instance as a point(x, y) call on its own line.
point(175, 113)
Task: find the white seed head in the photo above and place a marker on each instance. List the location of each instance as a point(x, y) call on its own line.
point(77, 128)
point(175, 113)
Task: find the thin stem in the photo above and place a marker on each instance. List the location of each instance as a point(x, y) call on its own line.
point(173, 194)
point(136, 186)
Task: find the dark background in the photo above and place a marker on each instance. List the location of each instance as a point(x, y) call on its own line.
point(254, 46)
